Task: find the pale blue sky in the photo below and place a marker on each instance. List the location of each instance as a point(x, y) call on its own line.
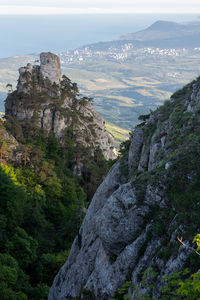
point(98, 6)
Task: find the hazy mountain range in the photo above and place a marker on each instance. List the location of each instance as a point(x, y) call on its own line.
point(167, 34)
point(162, 34)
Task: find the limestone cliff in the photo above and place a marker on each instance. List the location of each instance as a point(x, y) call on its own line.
point(150, 197)
point(45, 102)
point(50, 66)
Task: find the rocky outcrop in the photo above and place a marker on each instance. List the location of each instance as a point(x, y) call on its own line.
point(149, 197)
point(44, 102)
point(50, 66)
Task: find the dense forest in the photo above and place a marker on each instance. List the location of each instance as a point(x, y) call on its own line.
point(42, 198)
point(41, 209)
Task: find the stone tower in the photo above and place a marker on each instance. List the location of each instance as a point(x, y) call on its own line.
point(50, 66)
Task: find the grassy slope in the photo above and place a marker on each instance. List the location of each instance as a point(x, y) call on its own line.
point(118, 133)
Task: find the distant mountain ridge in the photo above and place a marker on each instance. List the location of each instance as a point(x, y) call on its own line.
point(164, 25)
point(163, 34)
point(167, 34)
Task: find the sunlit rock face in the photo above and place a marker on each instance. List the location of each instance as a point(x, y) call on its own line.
point(147, 200)
point(44, 102)
point(50, 66)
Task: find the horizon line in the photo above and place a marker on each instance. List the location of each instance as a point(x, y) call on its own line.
point(47, 10)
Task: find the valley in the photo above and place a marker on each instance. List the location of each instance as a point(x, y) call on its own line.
point(126, 78)
point(79, 219)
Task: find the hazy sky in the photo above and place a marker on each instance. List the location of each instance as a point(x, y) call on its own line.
point(98, 6)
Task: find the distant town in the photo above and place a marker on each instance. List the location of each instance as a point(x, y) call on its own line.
point(121, 53)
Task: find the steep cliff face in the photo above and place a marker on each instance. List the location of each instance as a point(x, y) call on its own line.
point(50, 67)
point(46, 102)
point(150, 197)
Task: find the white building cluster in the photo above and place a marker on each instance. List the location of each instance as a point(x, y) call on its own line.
point(121, 52)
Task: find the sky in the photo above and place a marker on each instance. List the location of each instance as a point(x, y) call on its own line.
point(56, 7)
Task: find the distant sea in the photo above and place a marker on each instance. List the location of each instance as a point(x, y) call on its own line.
point(34, 34)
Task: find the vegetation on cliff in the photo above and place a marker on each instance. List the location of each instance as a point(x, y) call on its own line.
point(42, 201)
point(41, 210)
point(149, 198)
point(177, 221)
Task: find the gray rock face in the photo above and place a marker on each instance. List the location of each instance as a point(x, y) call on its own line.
point(49, 69)
point(93, 264)
point(136, 145)
point(50, 66)
point(51, 107)
point(131, 218)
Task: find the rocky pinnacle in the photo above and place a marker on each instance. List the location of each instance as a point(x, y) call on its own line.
point(50, 66)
